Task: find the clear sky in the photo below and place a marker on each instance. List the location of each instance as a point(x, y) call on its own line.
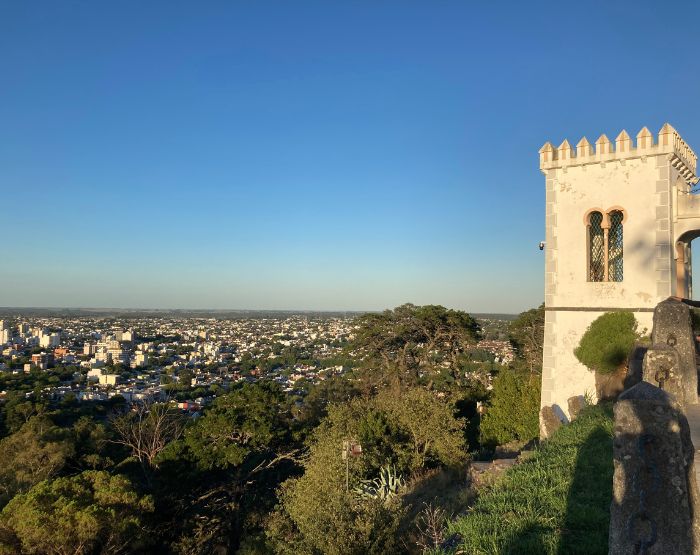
point(310, 155)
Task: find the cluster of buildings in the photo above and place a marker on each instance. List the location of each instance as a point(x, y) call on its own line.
point(155, 358)
point(501, 350)
point(29, 336)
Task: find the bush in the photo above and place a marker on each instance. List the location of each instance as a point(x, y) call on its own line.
point(317, 515)
point(608, 342)
point(410, 433)
point(514, 411)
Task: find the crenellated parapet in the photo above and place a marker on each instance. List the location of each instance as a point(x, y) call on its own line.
point(669, 142)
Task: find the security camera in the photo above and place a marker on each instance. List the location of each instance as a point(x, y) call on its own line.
point(542, 244)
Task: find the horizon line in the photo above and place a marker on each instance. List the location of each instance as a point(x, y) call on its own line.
point(132, 309)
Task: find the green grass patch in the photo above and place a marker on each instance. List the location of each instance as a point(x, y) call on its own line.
point(557, 501)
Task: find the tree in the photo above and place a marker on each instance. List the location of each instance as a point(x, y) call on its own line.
point(39, 450)
point(336, 389)
point(185, 377)
point(399, 345)
point(88, 513)
point(513, 413)
point(221, 476)
point(91, 442)
point(526, 334)
point(252, 418)
point(147, 430)
point(436, 436)
point(18, 410)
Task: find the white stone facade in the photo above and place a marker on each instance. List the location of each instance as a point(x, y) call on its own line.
point(650, 183)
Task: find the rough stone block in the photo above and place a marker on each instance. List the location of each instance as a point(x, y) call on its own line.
point(576, 404)
point(549, 422)
point(655, 497)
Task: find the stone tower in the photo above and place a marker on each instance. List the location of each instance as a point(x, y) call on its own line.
point(619, 220)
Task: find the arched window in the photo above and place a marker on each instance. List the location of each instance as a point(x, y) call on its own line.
point(605, 242)
point(615, 246)
point(596, 247)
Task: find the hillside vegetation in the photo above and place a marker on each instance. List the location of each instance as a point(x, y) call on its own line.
point(372, 460)
point(556, 501)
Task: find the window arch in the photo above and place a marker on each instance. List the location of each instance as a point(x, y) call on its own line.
point(605, 245)
point(596, 247)
point(615, 250)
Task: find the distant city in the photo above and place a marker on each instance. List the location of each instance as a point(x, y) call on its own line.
point(188, 360)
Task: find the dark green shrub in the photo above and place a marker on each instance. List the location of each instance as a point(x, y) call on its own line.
point(608, 342)
point(514, 411)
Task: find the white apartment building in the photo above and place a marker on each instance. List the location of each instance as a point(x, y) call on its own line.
point(109, 379)
point(50, 340)
point(140, 359)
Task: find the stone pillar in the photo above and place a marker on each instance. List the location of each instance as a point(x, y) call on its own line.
point(673, 328)
point(655, 497)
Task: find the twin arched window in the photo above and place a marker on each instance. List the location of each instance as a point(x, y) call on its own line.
point(605, 245)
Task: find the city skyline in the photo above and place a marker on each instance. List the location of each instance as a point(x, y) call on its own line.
point(309, 157)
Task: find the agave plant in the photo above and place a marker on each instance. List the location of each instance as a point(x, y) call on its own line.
point(384, 488)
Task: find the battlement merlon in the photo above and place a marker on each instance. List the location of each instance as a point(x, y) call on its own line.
point(669, 142)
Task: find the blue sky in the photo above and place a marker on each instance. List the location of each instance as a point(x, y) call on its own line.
point(310, 155)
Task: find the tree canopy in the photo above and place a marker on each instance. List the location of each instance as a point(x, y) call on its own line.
point(38, 451)
point(93, 511)
point(252, 418)
point(399, 346)
point(526, 334)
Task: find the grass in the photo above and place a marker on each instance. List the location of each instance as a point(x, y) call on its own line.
point(556, 501)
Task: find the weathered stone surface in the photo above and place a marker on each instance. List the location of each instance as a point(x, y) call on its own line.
point(549, 422)
point(576, 404)
point(646, 391)
point(661, 368)
point(655, 496)
point(673, 328)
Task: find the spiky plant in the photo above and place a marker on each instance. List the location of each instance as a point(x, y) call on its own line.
point(387, 486)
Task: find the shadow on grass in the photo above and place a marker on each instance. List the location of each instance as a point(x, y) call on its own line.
point(584, 528)
point(587, 520)
point(530, 540)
